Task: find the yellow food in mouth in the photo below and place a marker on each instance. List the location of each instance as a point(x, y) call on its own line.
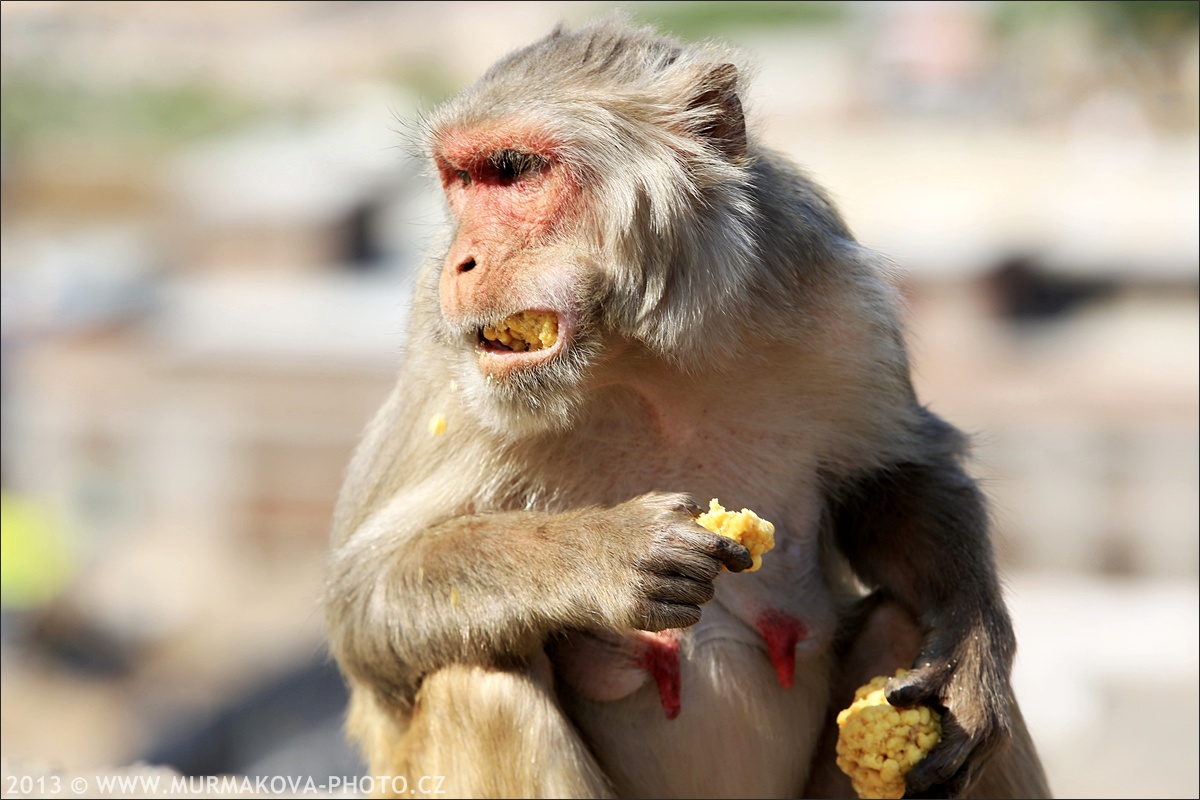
point(878, 743)
point(526, 330)
point(744, 527)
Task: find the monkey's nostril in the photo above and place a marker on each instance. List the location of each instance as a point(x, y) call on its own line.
point(467, 265)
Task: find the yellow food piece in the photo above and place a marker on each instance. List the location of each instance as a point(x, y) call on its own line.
point(437, 425)
point(744, 527)
point(878, 743)
point(527, 330)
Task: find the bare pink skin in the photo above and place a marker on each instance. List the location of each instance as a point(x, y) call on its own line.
point(495, 267)
point(782, 632)
point(500, 221)
point(660, 657)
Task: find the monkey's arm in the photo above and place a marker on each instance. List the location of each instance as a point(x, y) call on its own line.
point(488, 588)
point(919, 530)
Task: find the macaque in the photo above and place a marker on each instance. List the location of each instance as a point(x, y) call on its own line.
point(637, 306)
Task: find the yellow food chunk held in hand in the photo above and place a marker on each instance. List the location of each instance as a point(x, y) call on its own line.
point(744, 527)
point(878, 744)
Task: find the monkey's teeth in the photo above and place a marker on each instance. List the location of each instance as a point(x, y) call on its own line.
point(523, 331)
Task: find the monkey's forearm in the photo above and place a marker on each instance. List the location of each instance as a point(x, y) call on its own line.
point(920, 532)
point(488, 589)
point(475, 589)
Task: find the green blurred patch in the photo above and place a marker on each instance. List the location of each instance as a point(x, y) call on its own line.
point(33, 106)
point(712, 19)
point(1145, 21)
point(35, 559)
point(1151, 20)
point(425, 77)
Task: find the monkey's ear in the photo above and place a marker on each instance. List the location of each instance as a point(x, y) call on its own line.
point(725, 125)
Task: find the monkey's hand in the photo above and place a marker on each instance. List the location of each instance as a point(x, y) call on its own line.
point(963, 670)
point(669, 561)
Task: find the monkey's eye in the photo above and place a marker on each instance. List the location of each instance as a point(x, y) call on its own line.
point(509, 166)
point(464, 177)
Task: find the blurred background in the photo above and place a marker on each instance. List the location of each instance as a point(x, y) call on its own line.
point(211, 216)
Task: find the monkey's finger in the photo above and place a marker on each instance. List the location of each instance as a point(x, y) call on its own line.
point(931, 792)
point(957, 785)
point(679, 589)
point(658, 616)
point(926, 784)
point(943, 772)
point(734, 556)
point(681, 553)
point(677, 502)
point(921, 686)
point(685, 504)
point(926, 779)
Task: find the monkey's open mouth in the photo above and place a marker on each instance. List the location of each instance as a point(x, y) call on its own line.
point(522, 332)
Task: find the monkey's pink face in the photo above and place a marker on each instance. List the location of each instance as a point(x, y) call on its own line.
point(503, 282)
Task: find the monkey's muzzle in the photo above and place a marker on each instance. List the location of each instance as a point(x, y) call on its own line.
point(522, 332)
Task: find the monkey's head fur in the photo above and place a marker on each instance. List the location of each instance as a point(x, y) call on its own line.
point(606, 177)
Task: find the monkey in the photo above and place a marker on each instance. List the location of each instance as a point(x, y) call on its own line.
point(635, 305)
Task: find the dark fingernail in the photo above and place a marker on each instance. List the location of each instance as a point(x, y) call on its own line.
point(737, 557)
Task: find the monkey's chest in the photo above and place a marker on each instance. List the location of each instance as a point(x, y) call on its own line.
point(613, 460)
point(721, 704)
